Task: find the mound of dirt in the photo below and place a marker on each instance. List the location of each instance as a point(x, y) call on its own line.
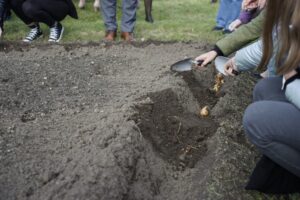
point(113, 122)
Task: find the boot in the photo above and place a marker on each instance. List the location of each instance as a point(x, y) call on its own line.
point(269, 177)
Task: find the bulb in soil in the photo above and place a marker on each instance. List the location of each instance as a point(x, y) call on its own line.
point(204, 111)
point(219, 81)
point(219, 77)
point(216, 88)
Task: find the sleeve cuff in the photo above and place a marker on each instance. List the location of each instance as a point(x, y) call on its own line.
point(218, 50)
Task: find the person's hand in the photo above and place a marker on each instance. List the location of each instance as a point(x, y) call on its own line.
point(249, 4)
point(244, 4)
point(230, 68)
point(207, 57)
point(235, 24)
point(261, 4)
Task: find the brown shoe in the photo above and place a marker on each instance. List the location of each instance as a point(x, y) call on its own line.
point(127, 36)
point(110, 36)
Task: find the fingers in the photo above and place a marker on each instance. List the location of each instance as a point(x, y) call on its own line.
point(231, 26)
point(203, 58)
point(230, 72)
point(207, 58)
point(227, 71)
point(261, 4)
point(229, 68)
point(205, 62)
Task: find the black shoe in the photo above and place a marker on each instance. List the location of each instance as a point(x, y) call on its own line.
point(56, 32)
point(217, 28)
point(269, 177)
point(34, 34)
point(226, 31)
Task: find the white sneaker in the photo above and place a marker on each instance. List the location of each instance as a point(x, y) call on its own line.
point(33, 34)
point(56, 32)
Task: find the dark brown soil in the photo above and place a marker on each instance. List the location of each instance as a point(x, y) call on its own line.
point(177, 135)
point(67, 128)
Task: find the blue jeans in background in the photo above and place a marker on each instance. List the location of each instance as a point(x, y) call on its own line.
point(229, 10)
point(109, 13)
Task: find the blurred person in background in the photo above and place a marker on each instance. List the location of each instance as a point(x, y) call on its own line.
point(229, 10)
point(50, 12)
point(244, 35)
point(250, 9)
point(109, 13)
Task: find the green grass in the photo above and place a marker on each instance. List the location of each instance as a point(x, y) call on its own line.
point(174, 20)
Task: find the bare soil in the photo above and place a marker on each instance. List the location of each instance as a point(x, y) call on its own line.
point(98, 121)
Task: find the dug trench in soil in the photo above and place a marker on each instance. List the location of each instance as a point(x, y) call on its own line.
point(177, 135)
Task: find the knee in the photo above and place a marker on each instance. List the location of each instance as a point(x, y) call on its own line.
point(254, 126)
point(29, 9)
point(259, 90)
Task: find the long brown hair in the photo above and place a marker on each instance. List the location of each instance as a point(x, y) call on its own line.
point(282, 16)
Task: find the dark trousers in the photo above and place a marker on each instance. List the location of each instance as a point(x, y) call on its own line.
point(45, 11)
point(273, 125)
point(3, 9)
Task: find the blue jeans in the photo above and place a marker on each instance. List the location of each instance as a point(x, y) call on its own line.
point(229, 10)
point(273, 125)
point(109, 13)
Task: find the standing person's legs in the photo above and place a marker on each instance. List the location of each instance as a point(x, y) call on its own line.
point(233, 12)
point(223, 12)
point(129, 8)
point(108, 8)
point(109, 14)
point(272, 124)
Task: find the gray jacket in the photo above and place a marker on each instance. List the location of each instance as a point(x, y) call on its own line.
point(249, 58)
